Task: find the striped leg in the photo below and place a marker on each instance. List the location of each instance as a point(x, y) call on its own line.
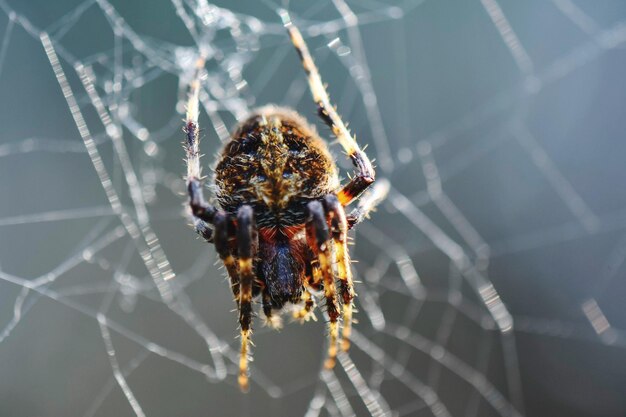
point(306, 312)
point(317, 234)
point(247, 245)
point(339, 233)
point(364, 171)
point(202, 212)
point(203, 229)
point(315, 279)
point(368, 202)
point(271, 320)
point(222, 235)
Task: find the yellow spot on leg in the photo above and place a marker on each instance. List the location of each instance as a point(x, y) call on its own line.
point(333, 334)
point(347, 291)
point(331, 307)
point(229, 261)
point(245, 266)
point(317, 276)
point(306, 312)
point(245, 298)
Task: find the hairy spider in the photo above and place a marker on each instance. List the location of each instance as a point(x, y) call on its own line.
point(280, 227)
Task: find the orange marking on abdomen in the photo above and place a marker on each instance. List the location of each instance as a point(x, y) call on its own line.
point(271, 239)
point(270, 234)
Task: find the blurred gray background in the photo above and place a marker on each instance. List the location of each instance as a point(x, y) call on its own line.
point(499, 124)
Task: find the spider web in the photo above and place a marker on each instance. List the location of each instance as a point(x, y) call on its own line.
point(491, 280)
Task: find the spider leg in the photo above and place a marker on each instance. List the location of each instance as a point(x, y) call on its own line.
point(306, 312)
point(247, 246)
point(318, 236)
point(364, 171)
point(222, 234)
point(271, 320)
point(203, 229)
point(368, 202)
point(200, 209)
point(339, 233)
point(314, 280)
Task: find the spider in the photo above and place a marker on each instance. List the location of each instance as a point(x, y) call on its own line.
point(280, 226)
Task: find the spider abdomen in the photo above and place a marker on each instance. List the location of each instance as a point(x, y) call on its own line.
point(276, 163)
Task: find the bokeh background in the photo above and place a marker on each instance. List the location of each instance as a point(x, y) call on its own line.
point(491, 280)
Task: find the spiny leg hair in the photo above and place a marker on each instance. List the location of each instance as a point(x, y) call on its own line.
point(306, 312)
point(247, 243)
point(223, 232)
point(319, 239)
point(339, 232)
point(368, 202)
point(202, 212)
point(205, 214)
point(364, 171)
point(271, 320)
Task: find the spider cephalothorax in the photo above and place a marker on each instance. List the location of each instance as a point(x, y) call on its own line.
point(280, 226)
